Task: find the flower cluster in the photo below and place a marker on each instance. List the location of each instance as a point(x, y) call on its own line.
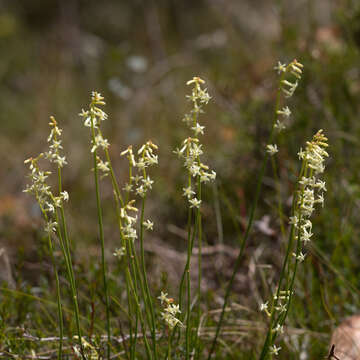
point(120, 252)
point(191, 149)
point(290, 74)
point(170, 311)
point(53, 155)
point(139, 183)
point(92, 119)
point(38, 186)
point(311, 190)
point(281, 303)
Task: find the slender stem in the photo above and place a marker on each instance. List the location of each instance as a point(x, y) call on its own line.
point(239, 257)
point(101, 235)
point(67, 256)
point(250, 221)
point(143, 270)
point(58, 297)
point(143, 326)
point(278, 191)
point(65, 246)
point(58, 293)
point(181, 287)
point(270, 337)
point(169, 348)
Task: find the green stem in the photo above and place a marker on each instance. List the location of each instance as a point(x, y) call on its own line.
point(101, 235)
point(58, 297)
point(65, 246)
point(250, 221)
point(148, 297)
point(278, 191)
point(270, 338)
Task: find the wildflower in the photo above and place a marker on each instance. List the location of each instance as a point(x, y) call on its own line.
point(279, 125)
point(272, 149)
point(265, 308)
point(102, 166)
point(163, 297)
point(50, 227)
point(149, 225)
point(291, 87)
point(278, 329)
point(170, 311)
point(280, 67)
point(284, 111)
point(195, 80)
point(65, 195)
point(275, 350)
point(300, 257)
point(195, 203)
point(141, 191)
point(61, 161)
point(198, 129)
point(97, 98)
point(293, 220)
point(119, 252)
point(127, 187)
point(188, 192)
point(148, 182)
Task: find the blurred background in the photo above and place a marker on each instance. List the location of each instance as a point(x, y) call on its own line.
point(139, 55)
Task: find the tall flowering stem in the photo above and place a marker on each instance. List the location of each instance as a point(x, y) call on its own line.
point(50, 205)
point(309, 192)
point(190, 152)
point(286, 88)
point(140, 184)
point(40, 190)
point(92, 119)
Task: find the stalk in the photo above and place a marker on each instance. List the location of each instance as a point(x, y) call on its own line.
point(250, 222)
point(101, 235)
point(67, 255)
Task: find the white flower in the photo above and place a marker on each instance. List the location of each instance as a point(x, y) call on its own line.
point(291, 88)
point(284, 111)
point(279, 329)
point(127, 187)
point(300, 257)
point(103, 166)
point(119, 252)
point(148, 182)
point(65, 195)
point(306, 235)
point(272, 149)
point(294, 220)
point(140, 190)
point(163, 297)
point(195, 203)
point(275, 350)
point(264, 306)
point(280, 67)
point(279, 125)
point(188, 192)
point(50, 227)
point(61, 161)
point(149, 225)
point(195, 80)
point(198, 129)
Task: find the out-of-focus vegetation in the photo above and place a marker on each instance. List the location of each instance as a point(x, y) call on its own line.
point(139, 54)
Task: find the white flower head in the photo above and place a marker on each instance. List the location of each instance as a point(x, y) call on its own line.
point(272, 149)
point(194, 203)
point(149, 225)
